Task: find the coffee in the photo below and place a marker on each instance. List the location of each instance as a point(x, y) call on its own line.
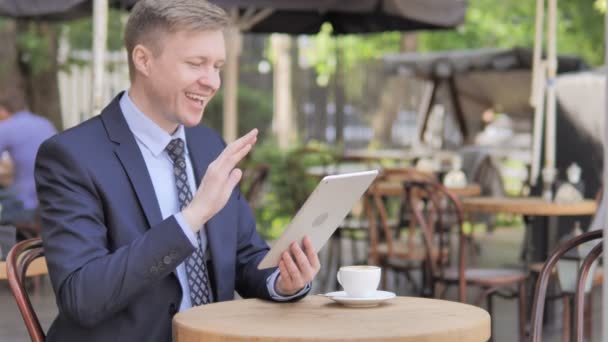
point(359, 281)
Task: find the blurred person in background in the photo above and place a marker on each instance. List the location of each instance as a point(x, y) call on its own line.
point(21, 133)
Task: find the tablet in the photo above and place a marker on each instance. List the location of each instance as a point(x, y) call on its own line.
point(322, 213)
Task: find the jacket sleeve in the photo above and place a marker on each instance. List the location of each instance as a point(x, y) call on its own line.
point(90, 281)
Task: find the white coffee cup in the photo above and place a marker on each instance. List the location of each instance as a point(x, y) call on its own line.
point(359, 281)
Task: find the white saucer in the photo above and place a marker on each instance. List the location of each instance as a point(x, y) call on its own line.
point(377, 298)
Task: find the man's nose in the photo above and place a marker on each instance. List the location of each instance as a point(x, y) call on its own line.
point(210, 81)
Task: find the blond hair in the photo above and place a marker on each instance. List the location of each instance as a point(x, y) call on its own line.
point(150, 20)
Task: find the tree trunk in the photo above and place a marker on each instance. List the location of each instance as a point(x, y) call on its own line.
point(319, 96)
point(339, 96)
point(10, 75)
point(385, 115)
point(283, 121)
point(393, 93)
point(41, 83)
point(298, 84)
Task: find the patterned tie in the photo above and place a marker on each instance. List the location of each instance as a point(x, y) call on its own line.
point(196, 267)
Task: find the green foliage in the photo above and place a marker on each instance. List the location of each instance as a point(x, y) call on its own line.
point(288, 185)
point(506, 24)
point(600, 5)
point(34, 47)
point(80, 31)
point(254, 108)
point(322, 54)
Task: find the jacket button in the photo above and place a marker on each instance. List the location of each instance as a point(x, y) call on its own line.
point(172, 309)
point(154, 270)
point(167, 260)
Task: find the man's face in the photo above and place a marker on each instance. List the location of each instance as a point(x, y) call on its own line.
point(184, 76)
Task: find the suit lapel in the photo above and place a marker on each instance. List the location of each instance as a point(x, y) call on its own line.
point(132, 160)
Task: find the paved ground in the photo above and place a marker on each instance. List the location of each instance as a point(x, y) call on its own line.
point(498, 248)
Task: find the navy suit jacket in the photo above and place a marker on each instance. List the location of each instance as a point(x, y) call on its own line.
point(111, 256)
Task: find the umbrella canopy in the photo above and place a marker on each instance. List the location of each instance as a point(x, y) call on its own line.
point(479, 79)
point(53, 9)
point(277, 16)
point(287, 16)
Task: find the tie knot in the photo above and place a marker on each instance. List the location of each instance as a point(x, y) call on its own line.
point(175, 148)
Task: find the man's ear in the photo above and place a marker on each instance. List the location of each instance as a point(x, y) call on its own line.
point(141, 59)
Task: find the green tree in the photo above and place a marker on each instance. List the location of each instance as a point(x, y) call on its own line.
point(506, 24)
point(80, 32)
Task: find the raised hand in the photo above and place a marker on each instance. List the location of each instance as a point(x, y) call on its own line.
point(219, 182)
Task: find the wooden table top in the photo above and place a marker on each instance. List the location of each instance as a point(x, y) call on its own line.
point(395, 189)
point(37, 267)
point(532, 206)
point(317, 318)
point(6, 172)
point(385, 154)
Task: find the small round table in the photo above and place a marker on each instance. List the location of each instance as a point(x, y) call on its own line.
point(316, 318)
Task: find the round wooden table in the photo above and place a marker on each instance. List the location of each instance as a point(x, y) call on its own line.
point(531, 206)
point(316, 318)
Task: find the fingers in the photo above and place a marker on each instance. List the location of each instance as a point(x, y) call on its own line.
point(313, 258)
point(284, 271)
point(247, 139)
point(293, 271)
point(306, 270)
point(236, 151)
point(234, 178)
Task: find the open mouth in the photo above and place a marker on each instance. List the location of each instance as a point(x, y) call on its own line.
point(198, 99)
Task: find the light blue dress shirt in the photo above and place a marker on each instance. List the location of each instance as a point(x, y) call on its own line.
point(152, 141)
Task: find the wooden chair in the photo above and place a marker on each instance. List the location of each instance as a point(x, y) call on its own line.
point(23, 260)
point(545, 274)
point(433, 205)
point(255, 177)
point(580, 312)
point(387, 248)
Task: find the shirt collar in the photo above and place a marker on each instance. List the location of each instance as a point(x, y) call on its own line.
point(146, 131)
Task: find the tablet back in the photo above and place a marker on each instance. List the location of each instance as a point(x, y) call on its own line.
point(322, 213)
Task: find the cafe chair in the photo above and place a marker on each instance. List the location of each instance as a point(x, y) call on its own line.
point(394, 241)
point(439, 214)
point(545, 274)
point(255, 177)
point(580, 311)
point(25, 259)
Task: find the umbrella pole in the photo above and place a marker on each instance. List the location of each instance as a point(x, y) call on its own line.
point(231, 74)
point(536, 59)
point(549, 171)
point(537, 95)
point(604, 203)
point(539, 118)
point(100, 34)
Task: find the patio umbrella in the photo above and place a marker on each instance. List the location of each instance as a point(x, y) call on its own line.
point(476, 80)
point(284, 16)
point(279, 16)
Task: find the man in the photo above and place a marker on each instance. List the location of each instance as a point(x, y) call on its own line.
point(129, 238)
point(21, 133)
